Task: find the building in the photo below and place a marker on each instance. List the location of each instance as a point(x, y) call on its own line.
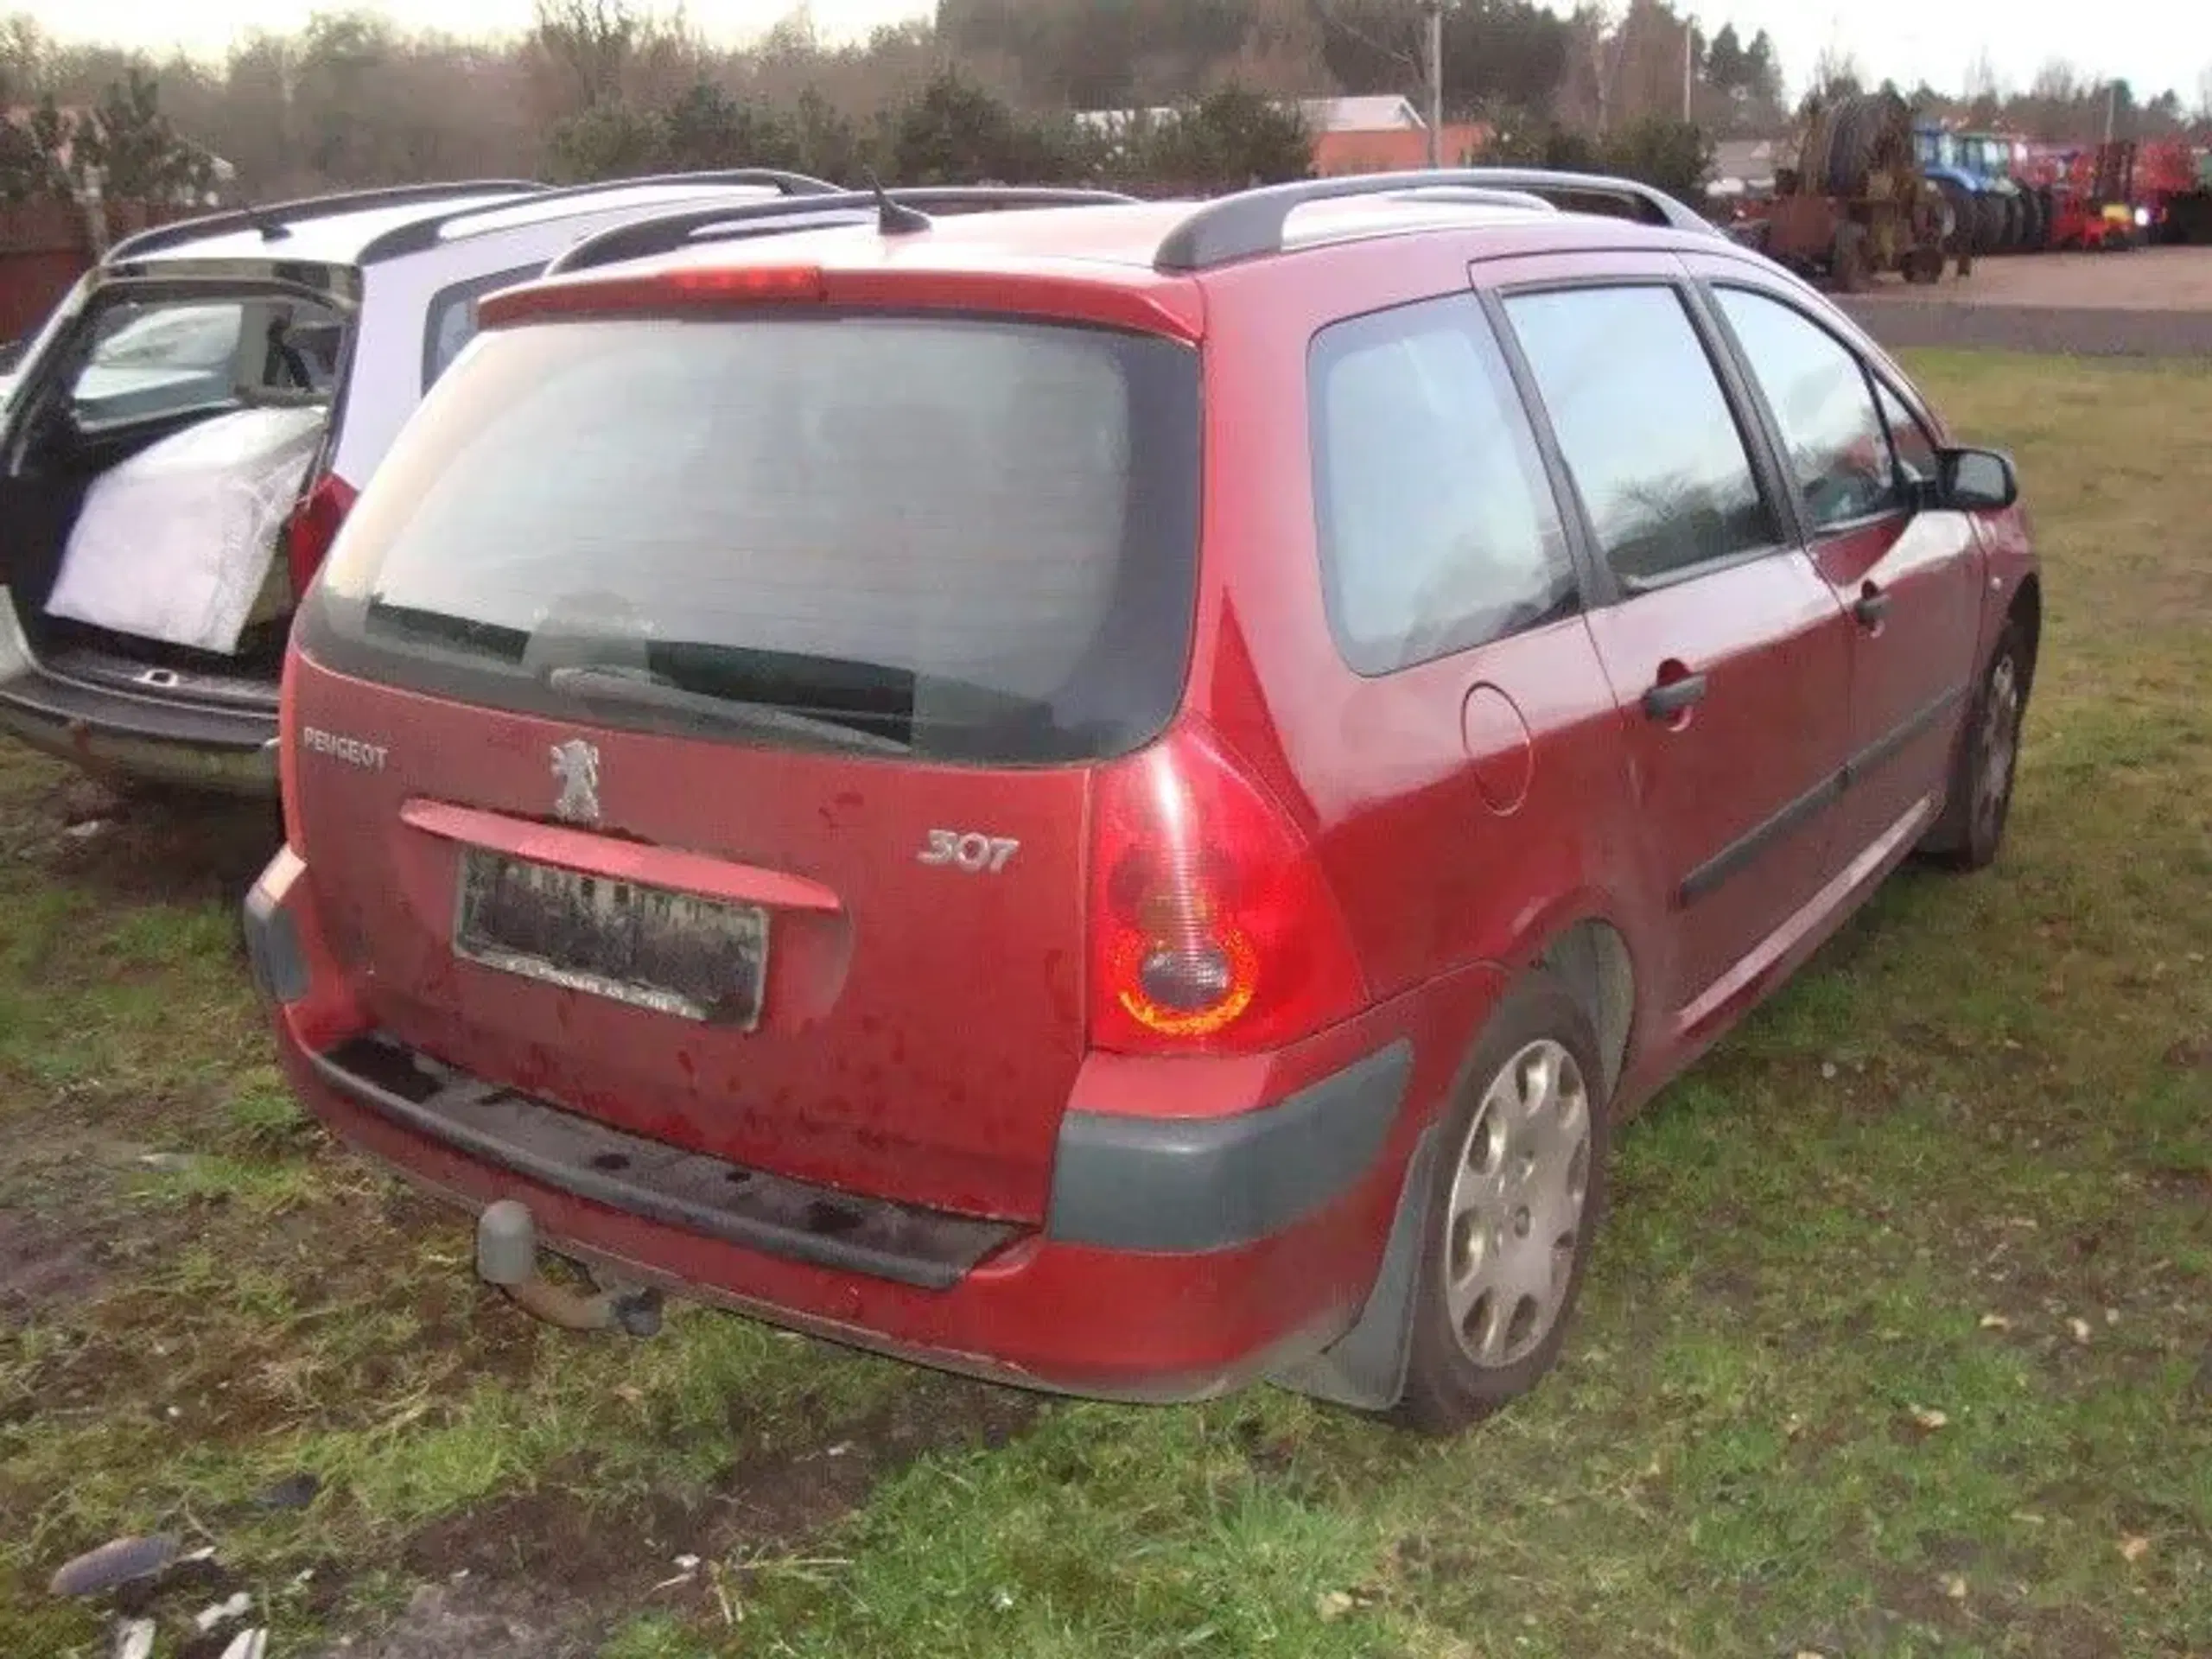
point(1350, 135)
point(1743, 167)
point(1378, 114)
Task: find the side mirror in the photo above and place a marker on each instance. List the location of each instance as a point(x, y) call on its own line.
point(1977, 480)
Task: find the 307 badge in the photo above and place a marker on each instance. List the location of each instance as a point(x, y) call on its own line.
point(971, 852)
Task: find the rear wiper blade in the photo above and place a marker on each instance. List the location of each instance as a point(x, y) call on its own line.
point(641, 686)
point(834, 687)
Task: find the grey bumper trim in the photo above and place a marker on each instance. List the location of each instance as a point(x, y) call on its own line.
point(666, 1184)
point(1183, 1185)
point(142, 737)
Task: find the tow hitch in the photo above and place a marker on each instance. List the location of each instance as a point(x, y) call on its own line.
point(507, 1256)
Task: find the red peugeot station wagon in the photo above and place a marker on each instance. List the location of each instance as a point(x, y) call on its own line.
point(1119, 796)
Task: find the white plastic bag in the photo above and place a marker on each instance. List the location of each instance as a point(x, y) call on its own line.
point(176, 544)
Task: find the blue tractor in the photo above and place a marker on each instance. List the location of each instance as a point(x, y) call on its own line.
point(1974, 173)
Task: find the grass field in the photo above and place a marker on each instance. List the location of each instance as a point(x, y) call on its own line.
point(1899, 1342)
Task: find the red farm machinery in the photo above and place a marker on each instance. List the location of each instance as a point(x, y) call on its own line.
point(2124, 193)
point(2173, 191)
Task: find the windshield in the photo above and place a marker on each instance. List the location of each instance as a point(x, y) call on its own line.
point(951, 538)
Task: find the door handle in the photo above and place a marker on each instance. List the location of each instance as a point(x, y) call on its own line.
point(1871, 606)
point(1671, 697)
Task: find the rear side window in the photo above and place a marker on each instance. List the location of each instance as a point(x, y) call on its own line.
point(450, 322)
point(1832, 436)
point(148, 361)
point(1656, 453)
point(1437, 527)
point(134, 336)
point(152, 360)
point(958, 538)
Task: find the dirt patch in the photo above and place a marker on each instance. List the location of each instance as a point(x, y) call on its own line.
point(546, 1575)
point(558, 1535)
point(161, 847)
point(1910, 1606)
point(41, 1265)
point(469, 1620)
point(2176, 1180)
point(1272, 1457)
point(2190, 1054)
point(780, 1497)
point(767, 1501)
point(1923, 1599)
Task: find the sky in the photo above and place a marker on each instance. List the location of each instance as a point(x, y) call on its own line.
point(2153, 43)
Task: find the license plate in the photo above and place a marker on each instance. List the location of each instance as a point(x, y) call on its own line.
point(696, 958)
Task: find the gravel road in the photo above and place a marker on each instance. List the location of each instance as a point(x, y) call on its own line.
point(2152, 302)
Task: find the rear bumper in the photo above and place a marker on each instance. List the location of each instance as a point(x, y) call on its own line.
point(1181, 1258)
point(150, 738)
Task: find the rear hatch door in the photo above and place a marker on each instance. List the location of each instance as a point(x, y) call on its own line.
point(697, 721)
point(179, 568)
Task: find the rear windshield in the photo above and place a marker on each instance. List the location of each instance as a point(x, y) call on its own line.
point(958, 538)
point(150, 360)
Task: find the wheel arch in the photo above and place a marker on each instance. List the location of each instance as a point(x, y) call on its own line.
point(1365, 1368)
point(1592, 957)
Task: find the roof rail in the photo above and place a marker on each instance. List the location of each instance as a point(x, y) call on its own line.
point(1653, 204)
point(781, 179)
point(1478, 195)
point(1250, 225)
point(272, 218)
point(666, 232)
point(425, 233)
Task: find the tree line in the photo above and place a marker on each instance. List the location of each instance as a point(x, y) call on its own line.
point(984, 89)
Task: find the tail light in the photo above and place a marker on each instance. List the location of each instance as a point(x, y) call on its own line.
point(314, 525)
point(1213, 929)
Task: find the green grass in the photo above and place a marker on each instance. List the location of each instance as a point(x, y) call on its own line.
point(1899, 1339)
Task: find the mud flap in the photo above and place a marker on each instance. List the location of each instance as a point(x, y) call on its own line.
point(1365, 1368)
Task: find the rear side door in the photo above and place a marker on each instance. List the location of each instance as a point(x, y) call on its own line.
point(1481, 778)
point(1909, 577)
point(1726, 651)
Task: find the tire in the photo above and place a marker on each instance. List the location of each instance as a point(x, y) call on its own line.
point(1853, 158)
point(1988, 222)
point(1961, 239)
point(1533, 1088)
point(1863, 123)
point(1979, 803)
